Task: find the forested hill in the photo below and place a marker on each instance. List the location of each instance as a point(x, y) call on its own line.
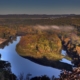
point(37, 15)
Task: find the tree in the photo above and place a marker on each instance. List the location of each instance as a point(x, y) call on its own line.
point(0, 56)
point(5, 71)
point(41, 78)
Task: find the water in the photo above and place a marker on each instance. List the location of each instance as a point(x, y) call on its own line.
point(63, 52)
point(65, 60)
point(22, 65)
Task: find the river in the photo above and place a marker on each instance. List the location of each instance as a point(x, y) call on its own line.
point(22, 65)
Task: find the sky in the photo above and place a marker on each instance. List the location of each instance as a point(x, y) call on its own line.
point(39, 6)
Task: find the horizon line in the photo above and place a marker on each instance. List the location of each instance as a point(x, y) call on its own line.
point(40, 14)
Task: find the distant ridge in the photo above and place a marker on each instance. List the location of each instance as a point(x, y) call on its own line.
point(35, 15)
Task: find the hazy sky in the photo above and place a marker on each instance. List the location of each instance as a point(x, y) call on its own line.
point(39, 6)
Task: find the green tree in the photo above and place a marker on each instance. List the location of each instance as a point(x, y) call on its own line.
point(5, 71)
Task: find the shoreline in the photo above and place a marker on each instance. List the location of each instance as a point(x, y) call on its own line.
point(2, 40)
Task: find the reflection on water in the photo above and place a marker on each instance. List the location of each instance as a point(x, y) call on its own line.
point(63, 52)
point(65, 60)
point(55, 64)
point(20, 64)
point(6, 43)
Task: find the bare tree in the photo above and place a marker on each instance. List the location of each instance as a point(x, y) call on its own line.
point(21, 76)
point(28, 76)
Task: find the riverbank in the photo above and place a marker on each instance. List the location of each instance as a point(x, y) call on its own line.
point(2, 40)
